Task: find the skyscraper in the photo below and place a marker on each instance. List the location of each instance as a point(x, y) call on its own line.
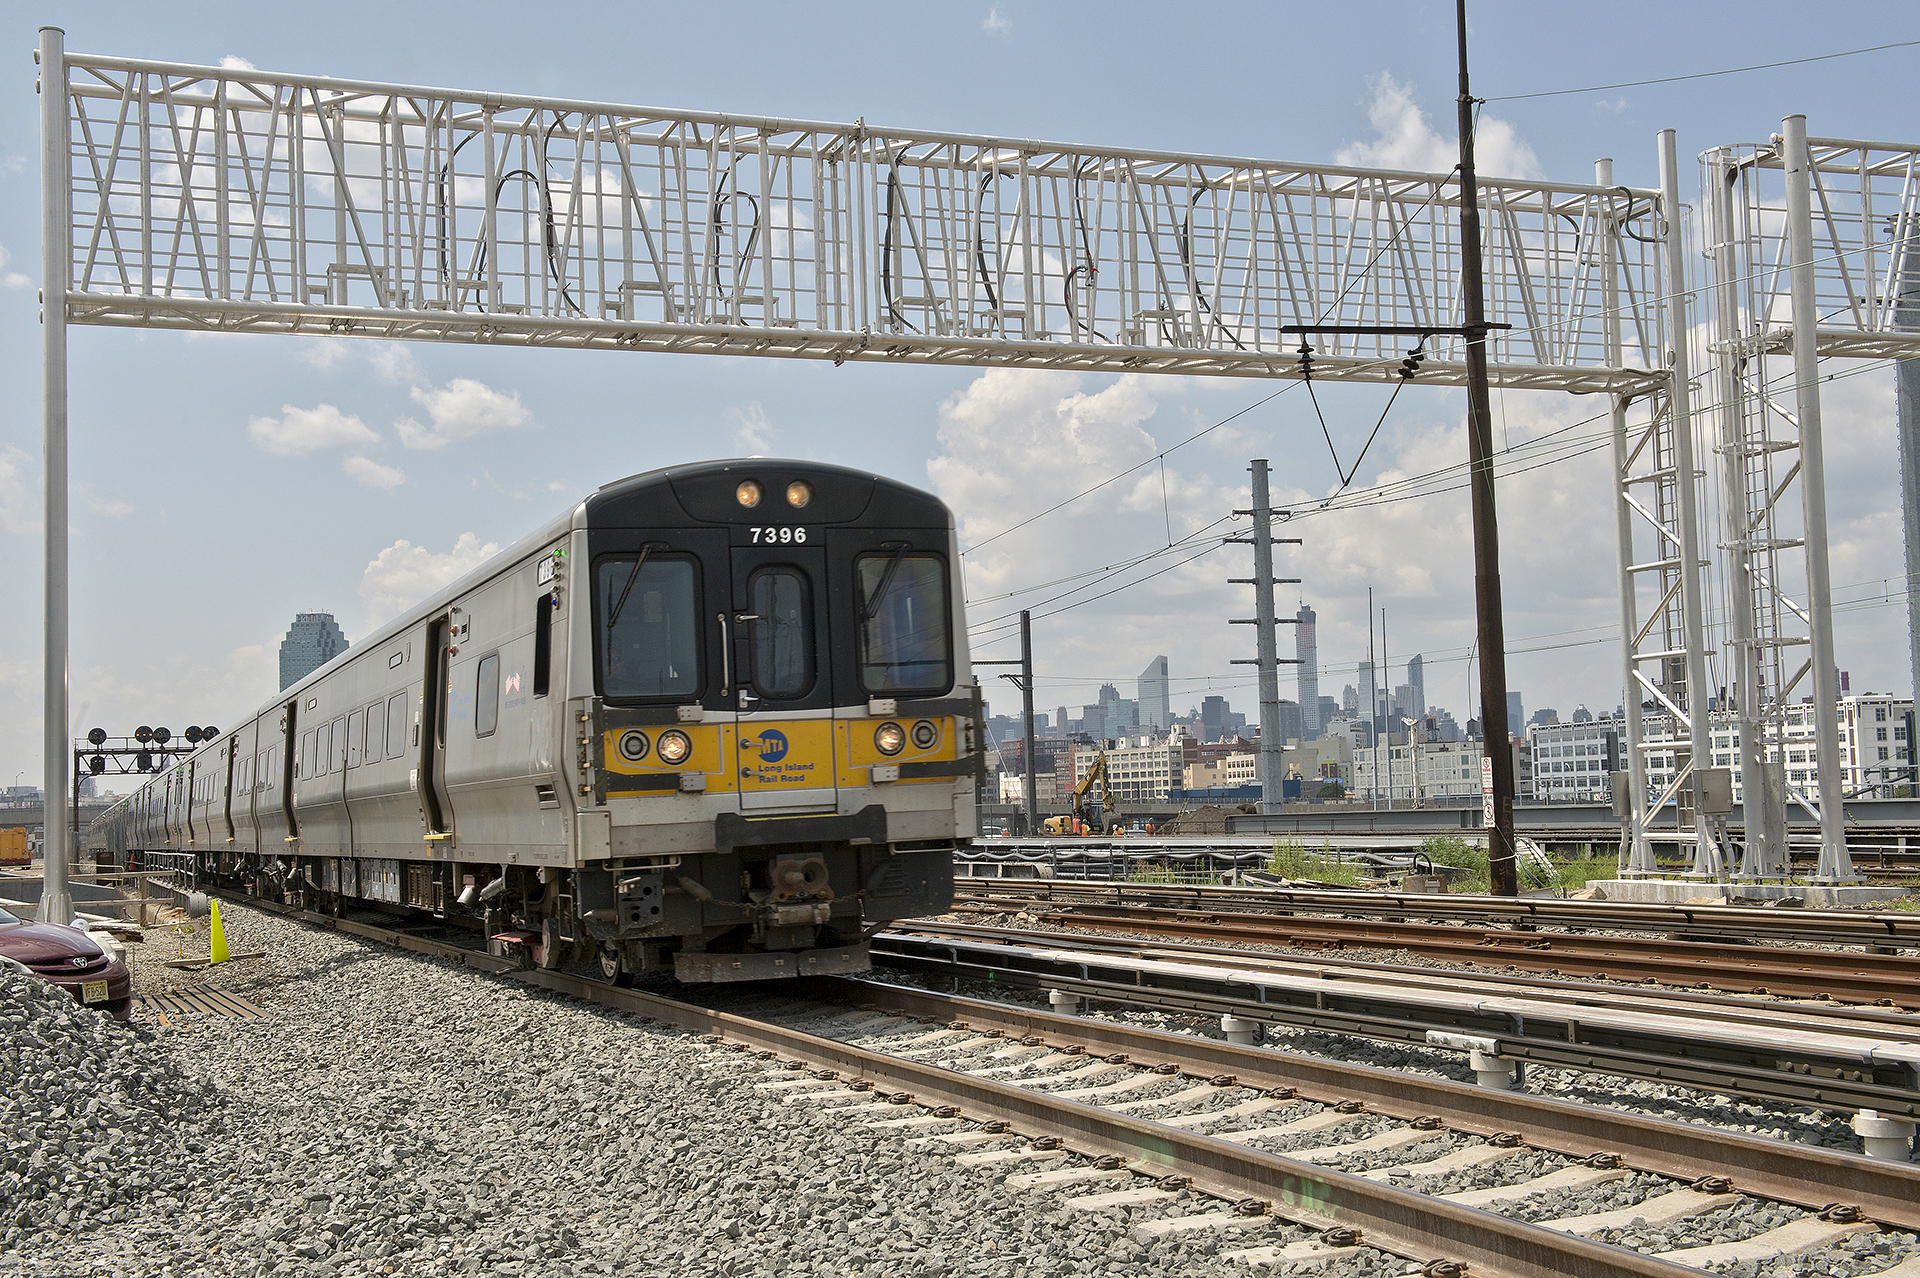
point(1417, 681)
point(313, 641)
point(1155, 709)
point(1306, 647)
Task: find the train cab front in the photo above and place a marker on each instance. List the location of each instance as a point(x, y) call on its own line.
point(774, 756)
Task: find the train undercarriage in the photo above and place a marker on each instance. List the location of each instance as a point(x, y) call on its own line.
point(755, 913)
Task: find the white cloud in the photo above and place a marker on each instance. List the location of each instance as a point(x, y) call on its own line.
point(299, 431)
point(996, 23)
point(1404, 138)
point(233, 62)
point(372, 474)
point(10, 279)
point(326, 352)
point(1015, 442)
point(460, 409)
point(111, 507)
point(395, 362)
point(19, 498)
point(752, 433)
point(403, 574)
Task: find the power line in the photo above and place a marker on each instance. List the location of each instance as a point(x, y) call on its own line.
point(1703, 75)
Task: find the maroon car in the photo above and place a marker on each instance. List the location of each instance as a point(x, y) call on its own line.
point(70, 959)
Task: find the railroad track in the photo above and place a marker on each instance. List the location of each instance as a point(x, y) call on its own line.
point(1844, 975)
point(1289, 1158)
point(1889, 930)
point(1861, 1059)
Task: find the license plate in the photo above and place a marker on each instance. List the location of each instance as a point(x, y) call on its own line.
point(93, 991)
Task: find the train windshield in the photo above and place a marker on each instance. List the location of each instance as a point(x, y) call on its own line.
point(649, 625)
point(903, 623)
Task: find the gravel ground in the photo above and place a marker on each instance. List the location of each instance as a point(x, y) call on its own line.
point(95, 1122)
point(397, 1115)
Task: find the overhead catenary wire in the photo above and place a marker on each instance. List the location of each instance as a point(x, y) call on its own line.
point(1703, 75)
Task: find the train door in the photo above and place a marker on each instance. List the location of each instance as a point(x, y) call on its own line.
point(783, 699)
point(434, 694)
point(227, 752)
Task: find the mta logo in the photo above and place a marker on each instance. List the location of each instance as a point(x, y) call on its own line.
point(773, 746)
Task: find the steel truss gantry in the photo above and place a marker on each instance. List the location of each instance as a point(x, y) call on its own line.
point(1807, 239)
point(215, 199)
point(1656, 494)
point(236, 200)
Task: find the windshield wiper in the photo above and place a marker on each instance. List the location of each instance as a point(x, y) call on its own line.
point(886, 579)
point(632, 577)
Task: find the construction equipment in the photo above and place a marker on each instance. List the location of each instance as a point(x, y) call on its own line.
point(1083, 820)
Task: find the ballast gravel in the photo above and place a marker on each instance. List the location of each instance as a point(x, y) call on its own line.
point(400, 1115)
point(95, 1122)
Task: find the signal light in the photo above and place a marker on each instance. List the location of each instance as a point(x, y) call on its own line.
point(143, 762)
point(97, 736)
point(193, 736)
point(97, 764)
point(143, 734)
point(161, 736)
point(209, 732)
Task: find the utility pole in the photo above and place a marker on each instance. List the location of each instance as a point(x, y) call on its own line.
point(1026, 712)
point(1373, 701)
point(1272, 748)
point(1494, 731)
point(1024, 682)
point(56, 899)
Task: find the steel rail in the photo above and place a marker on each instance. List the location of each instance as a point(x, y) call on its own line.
point(1765, 1063)
point(1804, 973)
point(1786, 1172)
point(1395, 1220)
point(1835, 1018)
point(1836, 927)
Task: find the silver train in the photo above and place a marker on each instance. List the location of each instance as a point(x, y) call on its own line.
point(710, 721)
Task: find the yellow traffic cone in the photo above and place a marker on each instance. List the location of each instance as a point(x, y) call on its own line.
point(219, 951)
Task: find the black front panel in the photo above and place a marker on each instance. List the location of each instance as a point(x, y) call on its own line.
point(829, 643)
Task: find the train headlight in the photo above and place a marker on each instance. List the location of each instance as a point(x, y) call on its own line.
point(889, 738)
point(634, 746)
point(799, 493)
point(748, 493)
point(926, 734)
point(674, 747)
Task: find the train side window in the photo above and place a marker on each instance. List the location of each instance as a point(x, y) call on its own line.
point(396, 725)
point(782, 635)
point(486, 697)
point(304, 767)
point(647, 617)
point(542, 644)
point(322, 749)
point(376, 733)
point(340, 744)
point(356, 737)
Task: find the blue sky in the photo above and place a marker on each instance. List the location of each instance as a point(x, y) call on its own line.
point(194, 541)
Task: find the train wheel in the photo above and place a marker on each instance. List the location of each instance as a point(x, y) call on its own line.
point(612, 967)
